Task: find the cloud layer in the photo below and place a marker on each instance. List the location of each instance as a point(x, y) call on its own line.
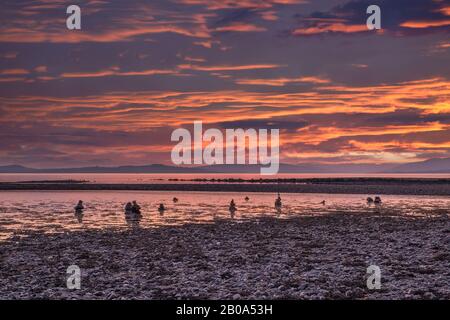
point(113, 92)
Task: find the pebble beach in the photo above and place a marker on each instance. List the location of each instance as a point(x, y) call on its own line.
point(323, 257)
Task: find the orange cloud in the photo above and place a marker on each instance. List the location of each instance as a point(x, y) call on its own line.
point(41, 69)
point(230, 4)
point(228, 68)
point(14, 72)
point(360, 65)
point(445, 10)
point(269, 15)
point(146, 110)
point(241, 105)
point(279, 82)
point(193, 59)
point(122, 33)
point(146, 20)
point(12, 79)
point(10, 55)
point(330, 27)
point(444, 45)
point(241, 27)
point(425, 24)
point(115, 71)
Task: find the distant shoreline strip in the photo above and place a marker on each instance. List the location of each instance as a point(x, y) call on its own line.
point(430, 188)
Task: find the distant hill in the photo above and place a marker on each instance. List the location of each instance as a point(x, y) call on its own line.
point(16, 169)
point(159, 168)
point(427, 166)
point(153, 168)
point(300, 168)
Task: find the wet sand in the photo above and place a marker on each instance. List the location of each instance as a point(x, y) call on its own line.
point(323, 257)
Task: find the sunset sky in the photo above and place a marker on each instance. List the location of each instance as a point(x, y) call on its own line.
point(113, 92)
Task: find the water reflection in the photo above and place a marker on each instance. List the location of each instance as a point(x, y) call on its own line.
point(79, 215)
point(54, 211)
point(278, 211)
point(161, 209)
point(133, 220)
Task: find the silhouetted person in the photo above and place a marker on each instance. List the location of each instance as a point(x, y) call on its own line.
point(323, 202)
point(175, 199)
point(135, 208)
point(377, 200)
point(278, 203)
point(128, 208)
point(161, 208)
point(79, 211)
point(369, 200)
point(232, 206)
point(79, 206)
point(247, 198)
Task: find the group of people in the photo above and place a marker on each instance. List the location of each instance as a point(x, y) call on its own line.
point(278, 203)
point(377, 200)
point(132, 208)
point(232, 207)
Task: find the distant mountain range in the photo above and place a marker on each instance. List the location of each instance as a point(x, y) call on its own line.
point(428, 166)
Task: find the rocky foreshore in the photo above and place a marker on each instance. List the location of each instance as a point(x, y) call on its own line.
point(323, 257)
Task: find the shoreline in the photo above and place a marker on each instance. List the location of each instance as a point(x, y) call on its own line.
point(323, 257)
point(431, 187)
